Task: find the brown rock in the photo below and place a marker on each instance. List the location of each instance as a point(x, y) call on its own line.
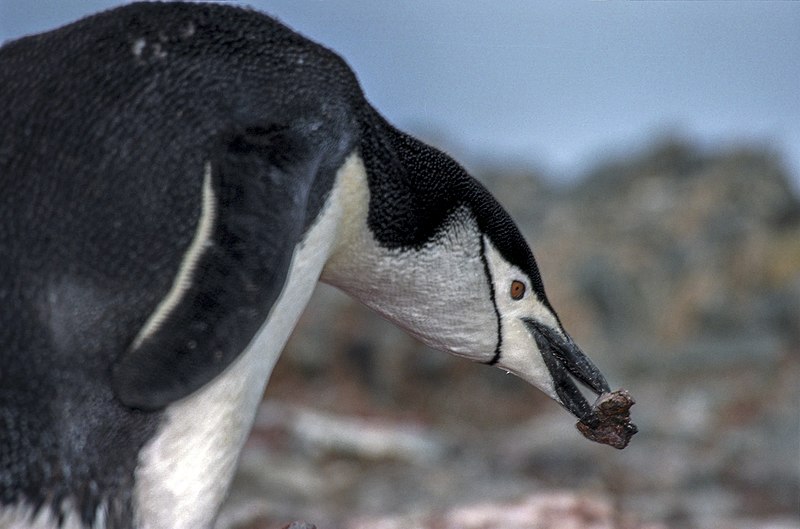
point(613, 426)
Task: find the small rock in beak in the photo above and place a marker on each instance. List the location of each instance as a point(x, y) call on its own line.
point(612, 424)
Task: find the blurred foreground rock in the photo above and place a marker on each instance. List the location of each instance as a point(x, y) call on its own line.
point(678, 272)
point(554, 510)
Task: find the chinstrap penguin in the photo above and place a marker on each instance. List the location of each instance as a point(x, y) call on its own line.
point(174, 180)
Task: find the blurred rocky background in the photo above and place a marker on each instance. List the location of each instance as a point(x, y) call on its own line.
point(676, 270)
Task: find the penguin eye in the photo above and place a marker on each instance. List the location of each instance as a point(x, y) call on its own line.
point(517, 289)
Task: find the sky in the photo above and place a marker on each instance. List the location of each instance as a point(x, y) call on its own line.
point(557, 86)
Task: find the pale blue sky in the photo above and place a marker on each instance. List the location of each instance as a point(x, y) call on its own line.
point(553, 84)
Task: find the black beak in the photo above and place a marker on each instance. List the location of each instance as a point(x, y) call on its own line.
point(563, 358)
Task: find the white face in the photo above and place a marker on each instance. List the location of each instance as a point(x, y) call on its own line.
point(517, 301)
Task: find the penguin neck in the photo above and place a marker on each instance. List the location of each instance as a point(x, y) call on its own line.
point(414, 287)
point(184, 472)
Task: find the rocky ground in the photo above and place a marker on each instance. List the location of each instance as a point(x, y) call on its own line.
point(678, 271)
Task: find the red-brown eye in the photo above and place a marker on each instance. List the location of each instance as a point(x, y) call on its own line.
point(517, 289)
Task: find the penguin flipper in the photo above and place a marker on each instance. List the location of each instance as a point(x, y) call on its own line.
point(254, 207)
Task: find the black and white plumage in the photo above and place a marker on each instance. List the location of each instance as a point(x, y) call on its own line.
point(174, 180)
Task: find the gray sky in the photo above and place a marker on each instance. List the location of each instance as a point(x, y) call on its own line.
point(553, 84)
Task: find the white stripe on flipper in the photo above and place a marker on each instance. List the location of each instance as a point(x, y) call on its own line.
point(185, 469)
point(183, 279)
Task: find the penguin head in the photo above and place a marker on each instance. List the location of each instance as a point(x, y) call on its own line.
point(532, 343)
point(430, 249)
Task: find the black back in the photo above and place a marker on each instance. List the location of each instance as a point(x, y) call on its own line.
point(108, 125)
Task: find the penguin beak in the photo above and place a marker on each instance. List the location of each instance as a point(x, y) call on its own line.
point(565, 360)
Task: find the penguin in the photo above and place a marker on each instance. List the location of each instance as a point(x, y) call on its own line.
point(175, 178)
